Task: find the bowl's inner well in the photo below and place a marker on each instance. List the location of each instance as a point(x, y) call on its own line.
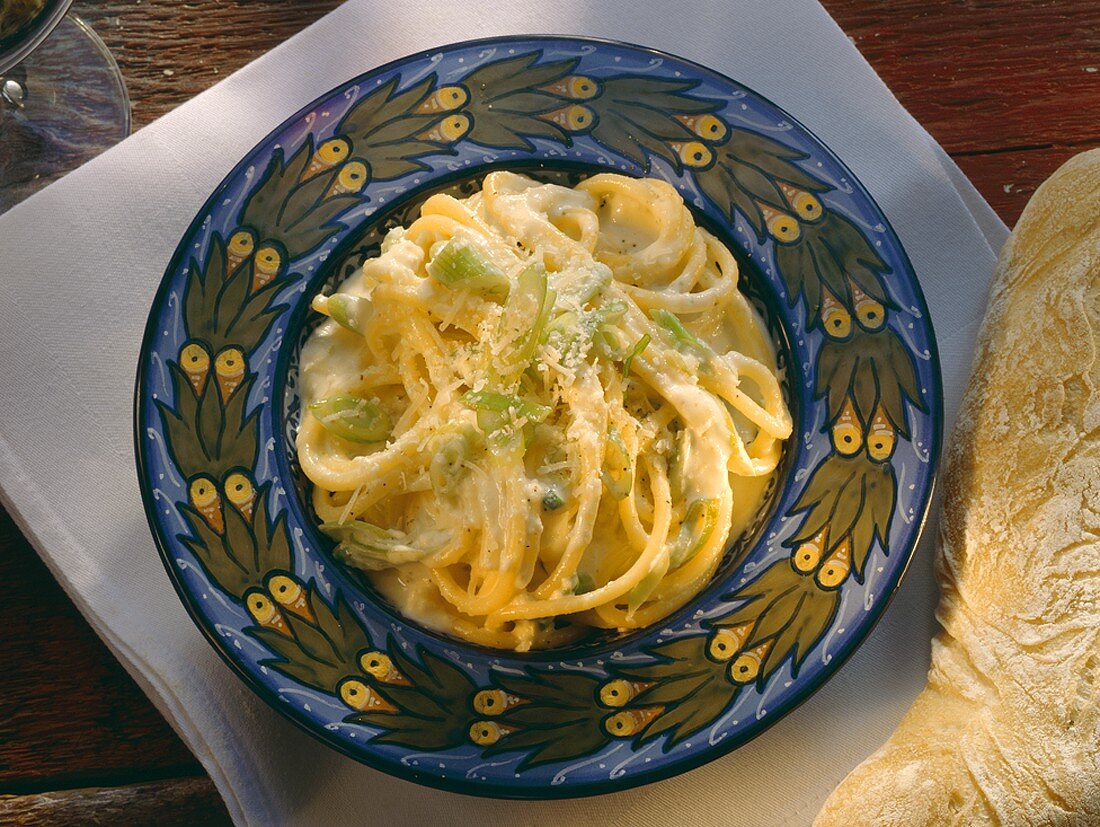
point(365, 243)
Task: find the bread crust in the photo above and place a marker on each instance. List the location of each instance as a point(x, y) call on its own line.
point(1007, 730)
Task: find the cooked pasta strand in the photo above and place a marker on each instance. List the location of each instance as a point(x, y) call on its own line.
point(565, 491)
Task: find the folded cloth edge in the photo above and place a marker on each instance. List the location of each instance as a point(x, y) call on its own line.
point(37, 512)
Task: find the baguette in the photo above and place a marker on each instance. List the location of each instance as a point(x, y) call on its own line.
point(1007, 730)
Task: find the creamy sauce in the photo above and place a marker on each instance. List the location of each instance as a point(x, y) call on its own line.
point(595, 495)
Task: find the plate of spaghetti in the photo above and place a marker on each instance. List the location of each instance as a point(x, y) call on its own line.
point(537, 417)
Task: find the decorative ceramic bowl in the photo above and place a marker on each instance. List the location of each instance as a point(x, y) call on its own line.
point(217, 407)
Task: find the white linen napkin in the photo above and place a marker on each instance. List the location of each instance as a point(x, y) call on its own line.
point(79, 264)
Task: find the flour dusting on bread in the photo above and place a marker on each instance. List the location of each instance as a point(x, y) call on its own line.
point(1008, 729)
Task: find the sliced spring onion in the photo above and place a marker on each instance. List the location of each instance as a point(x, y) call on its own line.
point(695, 530)
point(352, 418)
point(606, 343)
point(451, 448)
point(352, 312)
point(617, 476)
point(600, 280)
point(571, 324)
point(583, 583)
point(505, 403)
point(555, 479)
point(367, 546)
point(599, 325)
point(570, 330)
point(556, 487)
point(681, 457)
point(552, 498)
point(639, 347)
point(584, 283)
point(565, 326)
point(683, 337)
point(462, 267)
point(495, 411)
point(646, 586)
point(605, 314)
point(525, 315)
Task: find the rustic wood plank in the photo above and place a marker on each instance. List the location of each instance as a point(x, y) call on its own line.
point(170, 51)
point(960, 66)
point(70, 712)
point(1007, 179)
point(979, 74)
point(983, 75)
point(180, 802)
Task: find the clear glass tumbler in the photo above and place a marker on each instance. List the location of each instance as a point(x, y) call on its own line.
point(62, 98)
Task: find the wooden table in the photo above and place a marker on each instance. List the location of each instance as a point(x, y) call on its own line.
point(1010, 88)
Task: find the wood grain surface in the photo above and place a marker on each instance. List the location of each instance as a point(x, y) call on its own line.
point(71, 715)
point(183, 801)
point(1010, 89)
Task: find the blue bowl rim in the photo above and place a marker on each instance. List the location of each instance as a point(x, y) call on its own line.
point(689, 761)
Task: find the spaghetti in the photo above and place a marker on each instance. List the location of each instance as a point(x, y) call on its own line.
point(541, 409)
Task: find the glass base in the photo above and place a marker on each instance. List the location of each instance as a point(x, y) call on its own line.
point(62, 106)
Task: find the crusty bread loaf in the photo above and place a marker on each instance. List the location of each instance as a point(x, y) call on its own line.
point(1008, 729)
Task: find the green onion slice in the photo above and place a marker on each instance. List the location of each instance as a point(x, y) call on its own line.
point(616, 473)
point(352, 418)
point(583, 583)
point(367, 546)
point(683, 337)
point(695, 530)
point(646, 586)
point(525, 316)
point(351, 312)
point(451, 448)
point(639, 347)
point(552, 498)
point(462, 267)
point(496, 411)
